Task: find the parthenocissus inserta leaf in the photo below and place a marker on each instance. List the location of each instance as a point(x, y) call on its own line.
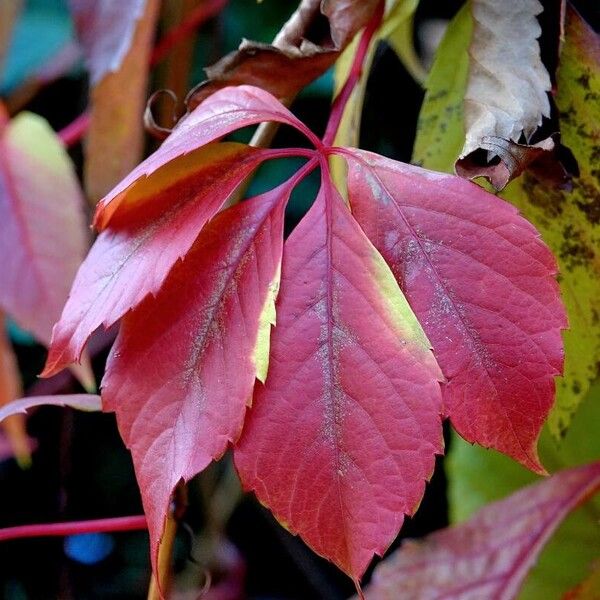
point(342, 436)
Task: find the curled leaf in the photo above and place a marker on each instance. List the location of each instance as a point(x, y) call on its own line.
point(295, 58)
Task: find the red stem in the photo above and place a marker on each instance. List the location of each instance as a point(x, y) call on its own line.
point(202, 13)
point(339, 104)
point(134, 523)
point(73, 132)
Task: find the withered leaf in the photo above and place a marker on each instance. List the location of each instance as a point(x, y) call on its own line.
point(302, 50)
point(507, 93)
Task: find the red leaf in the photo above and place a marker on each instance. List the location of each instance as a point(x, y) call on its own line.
point(158, 221)
point(490, 555)
point(344, 433)
point(482, 284)
point(42, 231)
point(132, 258)
point(183, 367)
point(341, 439)
point(225, 111)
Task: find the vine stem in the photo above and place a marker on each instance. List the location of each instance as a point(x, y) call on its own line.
point(74, 131)
point(159, 584)
point(340, 101)
point(133, 523)
point(202, 13)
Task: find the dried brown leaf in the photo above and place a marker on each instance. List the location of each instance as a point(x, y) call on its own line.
point(297, 56)
point(507, 92)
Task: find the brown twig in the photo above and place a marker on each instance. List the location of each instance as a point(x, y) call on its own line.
point(161, 580)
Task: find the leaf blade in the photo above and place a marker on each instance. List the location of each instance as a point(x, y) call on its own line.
point(489, 555)
point(227, 110)
point(115, 137)
point(133, 256)
point(203, 355)
point(42, 224)
point(562, 217)
point(318, 481)
point(105, 29)
point(462, 256)
point(565, 558)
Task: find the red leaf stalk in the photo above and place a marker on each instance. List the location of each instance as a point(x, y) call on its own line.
point(133, 523)
point(339, 104)
point(75, 130)
point(202, 13)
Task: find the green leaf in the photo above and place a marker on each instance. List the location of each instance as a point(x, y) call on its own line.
point(397, 30)
point(478, 476)
point(440, 130)
point(569, 221)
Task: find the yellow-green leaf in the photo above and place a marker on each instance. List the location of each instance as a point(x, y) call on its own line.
point(440, 130)
point(396, 29)
point(568, 221)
